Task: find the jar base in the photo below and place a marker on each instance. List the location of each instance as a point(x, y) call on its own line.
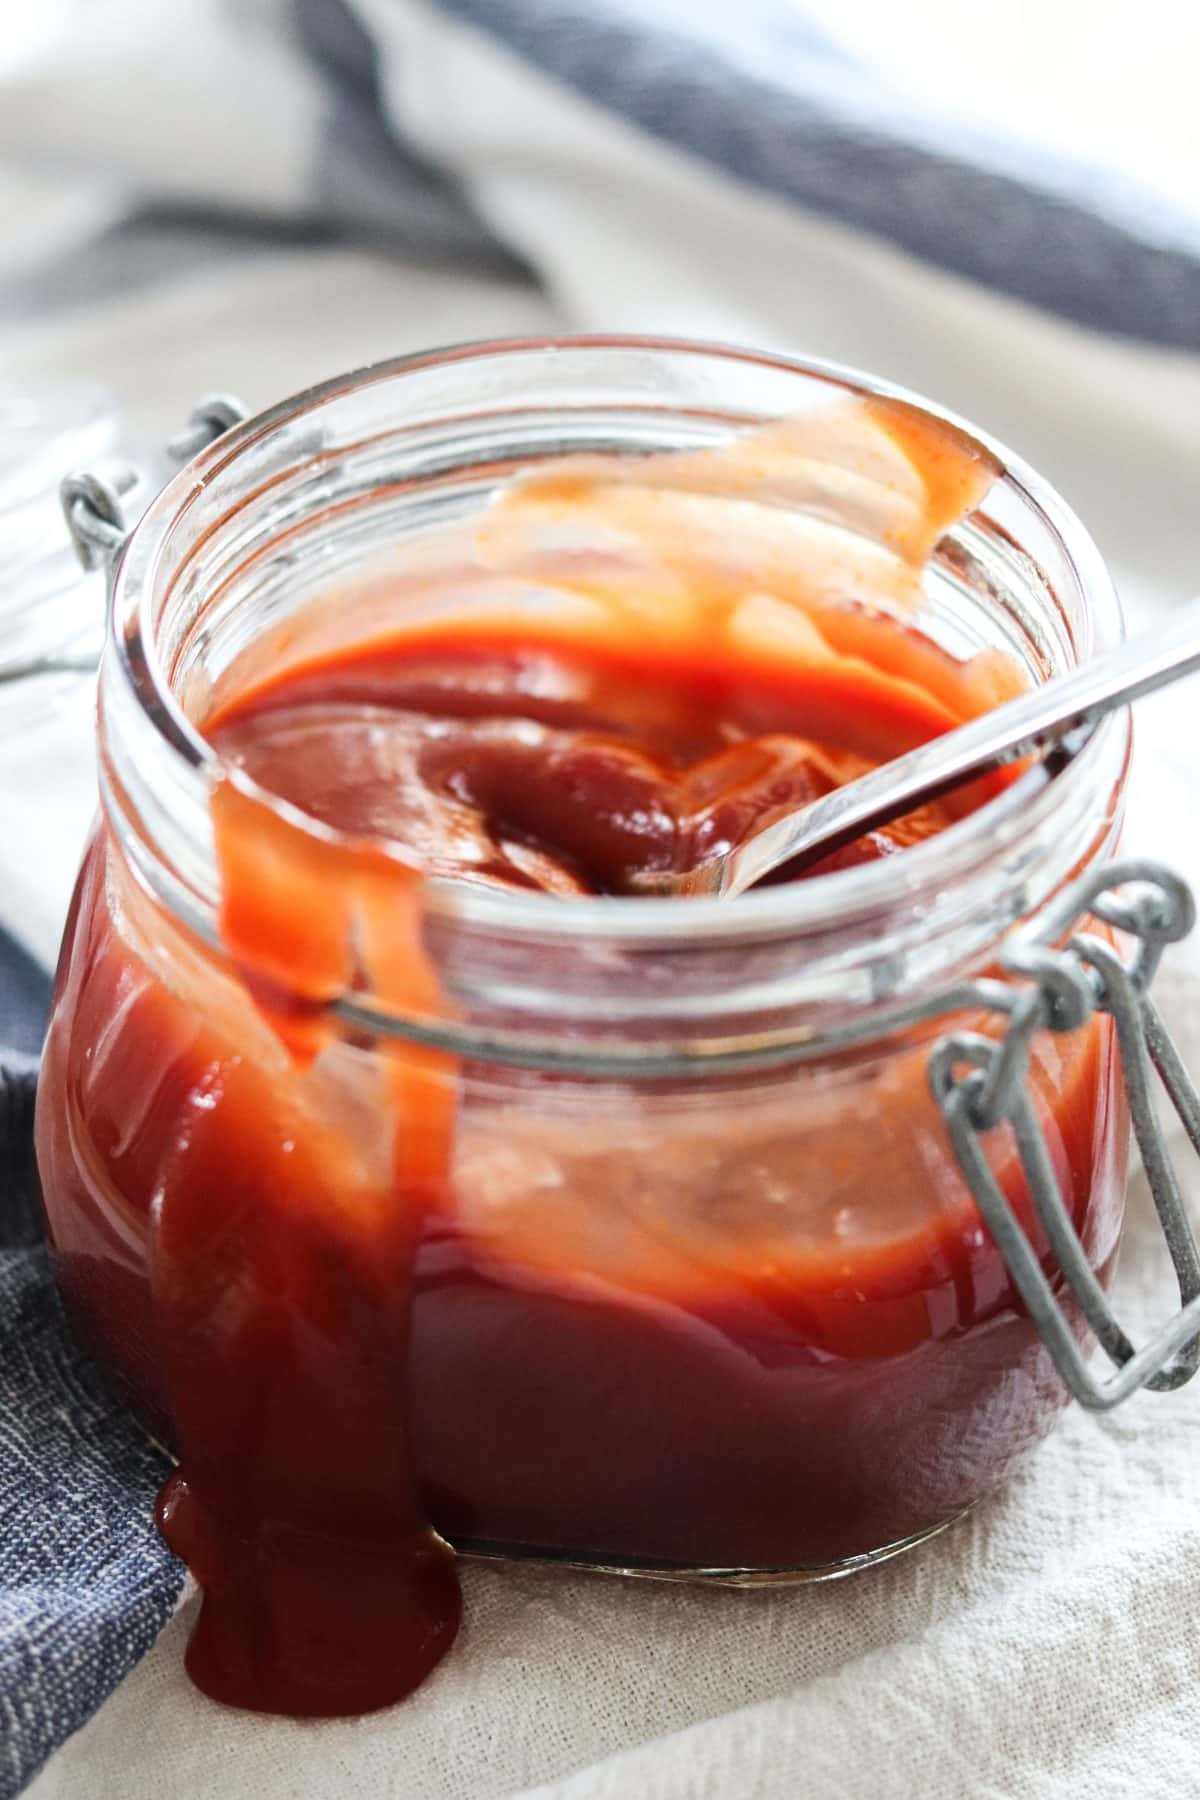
point(636, 1568)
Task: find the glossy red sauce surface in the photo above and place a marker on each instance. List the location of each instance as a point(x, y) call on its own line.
point(571, 770)
point(375, 1297)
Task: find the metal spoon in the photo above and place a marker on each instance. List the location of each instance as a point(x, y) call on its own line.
point(1030, 724)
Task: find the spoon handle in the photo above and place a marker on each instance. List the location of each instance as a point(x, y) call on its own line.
point(1022, 727)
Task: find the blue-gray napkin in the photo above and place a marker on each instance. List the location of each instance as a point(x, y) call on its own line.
point(756, 90)
point(761, 93)
point(85, 1581)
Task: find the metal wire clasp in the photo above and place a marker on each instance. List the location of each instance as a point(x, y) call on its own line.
point(92, 507)
point(979, 1083)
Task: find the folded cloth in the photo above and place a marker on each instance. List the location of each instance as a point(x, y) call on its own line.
point(762, 93)
point(24, 1001)
point(86, 1584)
point(362, 115)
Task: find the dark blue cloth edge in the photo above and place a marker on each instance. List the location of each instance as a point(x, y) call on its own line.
point(1056, 232)
point(86, 1584)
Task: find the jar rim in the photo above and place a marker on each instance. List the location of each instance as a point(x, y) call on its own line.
point(788, 908)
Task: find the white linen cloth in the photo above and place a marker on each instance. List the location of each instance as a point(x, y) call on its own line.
point(1047, 1646)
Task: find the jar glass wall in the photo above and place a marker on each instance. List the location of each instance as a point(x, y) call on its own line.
point(709, 1293)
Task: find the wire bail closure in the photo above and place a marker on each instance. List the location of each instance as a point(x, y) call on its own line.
point(979, 1083)
point(92, 507)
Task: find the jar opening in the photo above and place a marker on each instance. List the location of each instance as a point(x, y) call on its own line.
point(301, 496)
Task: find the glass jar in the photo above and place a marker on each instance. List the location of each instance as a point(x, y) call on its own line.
point(711, 1296)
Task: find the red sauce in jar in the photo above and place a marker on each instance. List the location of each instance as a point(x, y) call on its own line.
point(370, 1313)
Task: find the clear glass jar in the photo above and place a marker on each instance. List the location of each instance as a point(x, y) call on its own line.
point(711, 1297)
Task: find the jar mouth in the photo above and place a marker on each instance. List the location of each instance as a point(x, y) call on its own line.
point(788, 909)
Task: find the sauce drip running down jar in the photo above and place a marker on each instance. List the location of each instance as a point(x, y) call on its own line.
point(418, 1185)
